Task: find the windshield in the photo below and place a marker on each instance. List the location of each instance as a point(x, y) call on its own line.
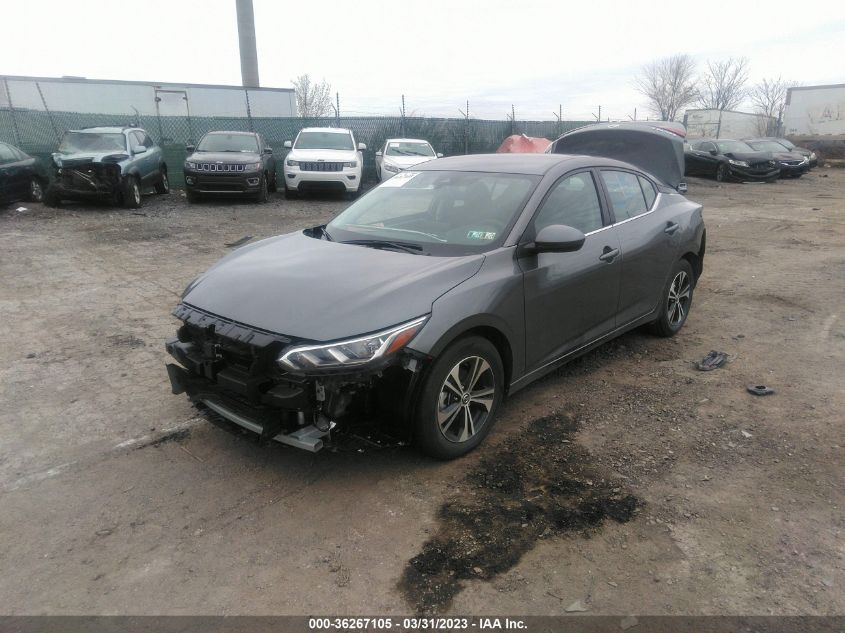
point(401, 148)
point(228, 143)
point(78, 142)
point(444, 212)
point(733, 146)
point(767, 146)
point(787, 144)
point(324, 140)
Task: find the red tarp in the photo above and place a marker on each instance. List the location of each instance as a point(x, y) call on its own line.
point(521, 144)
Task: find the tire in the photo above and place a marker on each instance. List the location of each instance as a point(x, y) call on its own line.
point(51, 197)
point(263, 194)
point(191, 196)
point(441, 426)
point(291, 194)
point(132, 193)
point(677, 295)
point(36, 190)
point(273, 186)
point(163, 185)
point(722, 172)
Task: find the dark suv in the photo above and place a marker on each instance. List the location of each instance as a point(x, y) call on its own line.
point(110, 163)
point(230, 163)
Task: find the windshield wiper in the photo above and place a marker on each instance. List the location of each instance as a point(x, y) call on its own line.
point(406, 247)
point(367, 227)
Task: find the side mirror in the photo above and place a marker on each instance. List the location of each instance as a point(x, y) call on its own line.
point(288, 144)
point(268, 150)
point(139, 149)
point(439, 154)
point(558, 238)
point(190, 148)
point(682, 187)
point(378, 153)
point(362, 147)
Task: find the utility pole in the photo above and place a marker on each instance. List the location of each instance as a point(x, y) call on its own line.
point(246, 41)
point(466, 128)
point(337, 108)
point(403, 115)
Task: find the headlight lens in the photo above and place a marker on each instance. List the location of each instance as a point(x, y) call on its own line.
point(353, 163)
point(252, 166)
point(738, 163)
point(351, 352)
point(812, 155)
point(392, 168)
point(292, 163)
point(190, 165)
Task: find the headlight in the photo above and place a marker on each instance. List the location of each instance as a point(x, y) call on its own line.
point(806, 160)
point(812, 156)
point(392, 168)
point(190, 165)
point(738, 163)
point(252, 167)
point(353, 163)
point(351, 352)
point(292, 163)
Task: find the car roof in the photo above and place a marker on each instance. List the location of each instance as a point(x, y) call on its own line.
point(531, 164)
point(105, 130)
point(233, 132)
point(339, 130)
point(406, 140)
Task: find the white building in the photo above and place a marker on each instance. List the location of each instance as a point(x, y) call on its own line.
point(724, 124)
point(815, 111)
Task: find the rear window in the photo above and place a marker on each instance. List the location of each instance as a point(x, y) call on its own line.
point(625, 192)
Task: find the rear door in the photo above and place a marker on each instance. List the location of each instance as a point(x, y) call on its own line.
point(648, 229)
point(570, 298)
point(148, 162)
point(13, 176)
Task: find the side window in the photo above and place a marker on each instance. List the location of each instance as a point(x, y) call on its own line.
point(574, 202)
point(626, 196)
point(6, 154)
point(706, 147)
point(135, 138)
point(648, 191)
point(147, 141)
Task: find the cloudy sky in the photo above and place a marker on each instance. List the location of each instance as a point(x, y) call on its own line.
point(532, 54)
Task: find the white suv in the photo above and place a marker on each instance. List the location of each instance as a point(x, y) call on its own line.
point(323, 158)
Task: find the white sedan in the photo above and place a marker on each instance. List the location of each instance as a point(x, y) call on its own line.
point(399, 154)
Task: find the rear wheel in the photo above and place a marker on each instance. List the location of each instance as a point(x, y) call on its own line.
point(132, 193)
point(722, 172)
point(36, 190)
point(460, 398)
point(677, 300)
point(163, 185)
point(274, 187)
point(51, 197)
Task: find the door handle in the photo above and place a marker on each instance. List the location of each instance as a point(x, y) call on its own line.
point(671, 227)
point(609, 254)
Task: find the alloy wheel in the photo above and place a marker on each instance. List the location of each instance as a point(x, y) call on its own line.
point(680, 292)
point(136, 192)
point(466, 399)
point(36, 191)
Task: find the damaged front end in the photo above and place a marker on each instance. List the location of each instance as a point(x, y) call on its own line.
point(289, 390)
point(89, 178)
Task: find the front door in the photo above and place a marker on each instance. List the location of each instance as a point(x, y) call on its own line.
point(570, 298)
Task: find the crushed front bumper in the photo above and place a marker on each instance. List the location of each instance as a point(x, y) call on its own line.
point(90, 180)
point(752, 174)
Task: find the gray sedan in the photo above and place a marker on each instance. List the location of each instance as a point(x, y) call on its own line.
point(442, 291)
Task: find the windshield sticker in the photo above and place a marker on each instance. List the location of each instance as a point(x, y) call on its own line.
point(394, 144)
point(400, 179)
point(480, 235)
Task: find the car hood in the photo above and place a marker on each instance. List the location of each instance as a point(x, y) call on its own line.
point(312, 289)
point(750, 157)
point(654, 149)
point(793, 155)
point(229, 158)
point(328, 155)
point(407, 161)
point(69, 160)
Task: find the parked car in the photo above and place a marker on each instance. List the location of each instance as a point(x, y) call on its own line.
point(22, 177)
point(324, 158)
point(441, 291)
point(399, 154)
point(812, 159)
point(726, 159)
point(227, 163)
point(792, 164)
point(109, 163)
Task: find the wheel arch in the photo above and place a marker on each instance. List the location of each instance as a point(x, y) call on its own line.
point(696, 260)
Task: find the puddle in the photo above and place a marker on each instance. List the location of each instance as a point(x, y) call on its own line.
point(540, 486)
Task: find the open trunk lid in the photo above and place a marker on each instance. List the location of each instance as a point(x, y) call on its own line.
point(652, 148)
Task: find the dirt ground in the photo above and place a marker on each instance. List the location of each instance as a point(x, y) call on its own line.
point(627, 482)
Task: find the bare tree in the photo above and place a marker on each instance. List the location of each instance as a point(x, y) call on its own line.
point(668, 84)
point(722, 86)
point(313, 100)
point(769, 99)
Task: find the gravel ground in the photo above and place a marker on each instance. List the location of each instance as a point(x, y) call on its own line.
point(117, 498)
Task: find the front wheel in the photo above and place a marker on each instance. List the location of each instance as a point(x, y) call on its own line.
point(36, 191)
point(132, 193)
point(722, 172)
point(677, 300)
point(263, 194)
point(460, 398)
